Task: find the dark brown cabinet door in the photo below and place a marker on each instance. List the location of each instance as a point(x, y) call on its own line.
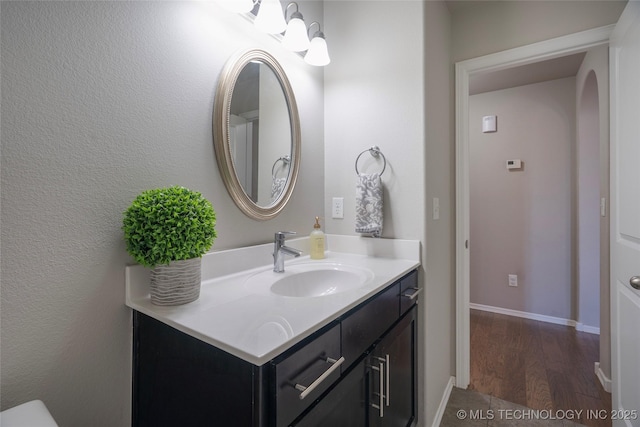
point(392, 391)
point(181, 381)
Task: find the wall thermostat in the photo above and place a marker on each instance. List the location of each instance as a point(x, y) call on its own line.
point(514, 164)
point(489, 124)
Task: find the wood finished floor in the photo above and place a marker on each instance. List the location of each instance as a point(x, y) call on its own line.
point(536, 364)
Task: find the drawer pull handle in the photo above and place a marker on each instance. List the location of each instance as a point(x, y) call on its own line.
point(335, 364)
point(380, 369)
point(413, 295)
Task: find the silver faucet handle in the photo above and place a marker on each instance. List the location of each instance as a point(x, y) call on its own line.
point(280, 235)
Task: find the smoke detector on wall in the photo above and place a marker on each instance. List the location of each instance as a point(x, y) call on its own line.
point(489, 124)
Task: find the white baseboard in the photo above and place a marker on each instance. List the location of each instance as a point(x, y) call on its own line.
point(535, 316)
point(586, 328)
point(604, 380)
point(443, 402)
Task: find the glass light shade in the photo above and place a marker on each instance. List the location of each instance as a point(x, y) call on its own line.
point(318, 53)
point(270, 18)
point(237, 6)
point(296, 38)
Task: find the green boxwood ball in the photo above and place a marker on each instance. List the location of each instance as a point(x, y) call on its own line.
point(168, 224)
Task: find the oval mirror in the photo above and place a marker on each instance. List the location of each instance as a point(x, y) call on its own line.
point(256, 133)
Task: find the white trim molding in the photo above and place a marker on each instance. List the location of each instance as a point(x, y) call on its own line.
point(443, 402)
point(539, 317)
point(604, 380)
point(581, 327)
point(554, 48)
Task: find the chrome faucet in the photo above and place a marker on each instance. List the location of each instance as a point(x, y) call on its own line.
point(280, 250)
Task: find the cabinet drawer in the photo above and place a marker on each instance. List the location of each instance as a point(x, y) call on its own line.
point(368, 323)
point(408, 292)
point(345, 405)
point(303, 368)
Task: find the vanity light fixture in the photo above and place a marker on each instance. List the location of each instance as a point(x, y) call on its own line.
point(295, 38)
point(318, 53)
point(270, 18)
point(237, 6)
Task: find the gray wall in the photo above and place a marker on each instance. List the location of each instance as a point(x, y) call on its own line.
point(521, 220)
point(588, 202)
point(101, 100)
point(439, 248)
point(597, 61)
point(376, 93)
point(484, 27)
point(373, 99)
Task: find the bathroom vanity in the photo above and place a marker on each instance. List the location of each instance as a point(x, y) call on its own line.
point(251, 352)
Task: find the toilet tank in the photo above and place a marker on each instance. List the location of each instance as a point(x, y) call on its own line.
point(30, 414)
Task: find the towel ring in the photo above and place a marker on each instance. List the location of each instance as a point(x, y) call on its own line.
point(284, 159)
point(375, 152)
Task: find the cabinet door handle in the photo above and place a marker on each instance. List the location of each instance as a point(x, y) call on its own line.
point(380, 369)
point(387, 382)
point(387, 395)
point(335, 364)
point(414, 294)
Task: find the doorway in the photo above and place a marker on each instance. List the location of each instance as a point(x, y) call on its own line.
point(551, 49)
point(526, 341)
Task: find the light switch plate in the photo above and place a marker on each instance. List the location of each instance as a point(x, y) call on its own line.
point(436, 208)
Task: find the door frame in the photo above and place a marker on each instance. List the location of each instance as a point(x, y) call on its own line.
point(549, 49)
point(622, 246)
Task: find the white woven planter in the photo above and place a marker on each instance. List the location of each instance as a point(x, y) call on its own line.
point(176, 283)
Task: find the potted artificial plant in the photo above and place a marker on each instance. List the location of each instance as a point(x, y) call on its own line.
point(168, 230)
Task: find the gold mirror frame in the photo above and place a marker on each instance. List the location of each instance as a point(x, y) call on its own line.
point(221, 143)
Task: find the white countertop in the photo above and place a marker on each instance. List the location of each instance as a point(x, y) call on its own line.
point(244, 318)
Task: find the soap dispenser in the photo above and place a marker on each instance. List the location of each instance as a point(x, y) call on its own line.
point(316, 241)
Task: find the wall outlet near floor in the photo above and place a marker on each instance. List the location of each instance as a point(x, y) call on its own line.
point(337, 207)
point(513, 280)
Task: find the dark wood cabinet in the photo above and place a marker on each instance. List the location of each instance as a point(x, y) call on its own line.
point(345, 405)
point(393, 391)
point(180, 380)
point(298, 373)
point(368, 323)
point(380, 390)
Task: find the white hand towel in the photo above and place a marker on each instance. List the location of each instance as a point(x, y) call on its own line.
point(277, 185)
point(369, 204)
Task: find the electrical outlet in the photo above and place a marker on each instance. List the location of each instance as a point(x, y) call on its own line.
point(337, 207)
point(513, 280)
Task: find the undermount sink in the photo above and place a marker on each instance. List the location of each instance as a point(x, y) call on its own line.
point(314, 279)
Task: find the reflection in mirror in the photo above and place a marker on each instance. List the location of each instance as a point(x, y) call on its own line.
point(259, 133)
point(256, 133)
point(279, 175)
